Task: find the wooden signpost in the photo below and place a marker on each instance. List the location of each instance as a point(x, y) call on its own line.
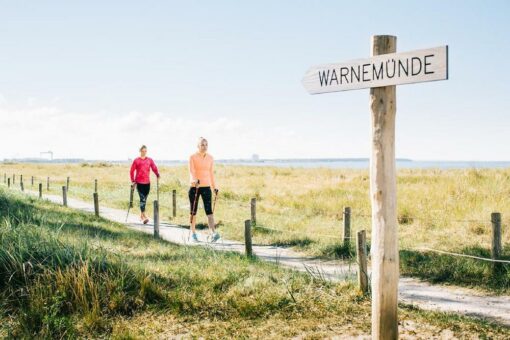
point(381, 73)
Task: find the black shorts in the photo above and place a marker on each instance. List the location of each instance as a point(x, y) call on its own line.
point(206, 194)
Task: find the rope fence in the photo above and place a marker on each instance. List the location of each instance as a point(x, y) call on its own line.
point(428, 219)
point(463, 255)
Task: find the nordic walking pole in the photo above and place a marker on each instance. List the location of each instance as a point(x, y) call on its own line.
point(216, 191)
point(194, 203)
point(131, 194)
point(157, 188)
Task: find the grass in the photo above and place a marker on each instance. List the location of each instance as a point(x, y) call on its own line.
point(439, 268)
point(441, 209)
point(66, 274)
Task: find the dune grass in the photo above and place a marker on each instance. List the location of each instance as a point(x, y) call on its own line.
point(440, 209)
point(66, 274)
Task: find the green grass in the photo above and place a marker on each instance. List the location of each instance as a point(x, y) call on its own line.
point(66, 274)
point(440, 268)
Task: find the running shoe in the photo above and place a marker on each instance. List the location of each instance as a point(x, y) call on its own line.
point(215, 237)
point(194, 237)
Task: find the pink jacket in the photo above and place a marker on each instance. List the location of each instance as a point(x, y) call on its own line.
point(143, 167)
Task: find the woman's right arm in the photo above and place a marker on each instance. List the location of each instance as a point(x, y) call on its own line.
point(192, 171)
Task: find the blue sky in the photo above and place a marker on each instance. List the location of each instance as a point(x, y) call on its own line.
point(96, 79)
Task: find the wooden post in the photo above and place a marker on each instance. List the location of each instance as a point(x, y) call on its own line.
point(64, 196)
point(40, 190)
point(67, 184)
point(48, 183)
point(20, 178)
point(13, 179)
point(95, 185)
point(253, 206)
point(96, 203)
point(496, 240)
point(347, 226)
point(32, 181)
point(247, 238)
point(362, 261)
point(21, 186)
point(156, 219)
point(383, 195)
point(9, 182)
point(174, 203)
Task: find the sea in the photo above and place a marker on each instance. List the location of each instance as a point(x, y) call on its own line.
point(360, 163)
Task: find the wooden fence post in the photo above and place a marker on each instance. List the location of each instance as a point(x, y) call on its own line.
point(383, 197)
point(347, 226)
point(253, 206)
point(21, 186)
point(32, 181)
point(174, 203)
point(48, 184)
point(96, 204)
point(20, 178)
point(247, 238)
point(496, 241)
point(362, 261)
point(8, 182)
point(40, 190)
point(156, 219)
point(13, 179)
point(64, 196)
point(67, 184)
point(95, 185)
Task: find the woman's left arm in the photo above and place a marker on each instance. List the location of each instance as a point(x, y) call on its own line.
point(154, 168)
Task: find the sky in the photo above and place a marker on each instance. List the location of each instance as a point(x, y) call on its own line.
point(96, 79)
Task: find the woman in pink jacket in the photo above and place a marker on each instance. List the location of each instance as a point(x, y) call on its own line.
point(140, 177)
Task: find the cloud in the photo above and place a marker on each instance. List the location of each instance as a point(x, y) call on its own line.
point(105, 135)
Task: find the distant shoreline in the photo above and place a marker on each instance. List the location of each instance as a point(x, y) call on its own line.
point(333, 163)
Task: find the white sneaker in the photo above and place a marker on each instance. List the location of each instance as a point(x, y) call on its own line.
point(215, 237)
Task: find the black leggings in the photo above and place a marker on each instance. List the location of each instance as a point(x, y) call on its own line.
point(206, 194)
point(143, 192)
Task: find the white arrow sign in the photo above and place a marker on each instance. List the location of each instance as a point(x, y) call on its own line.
point(382, 70)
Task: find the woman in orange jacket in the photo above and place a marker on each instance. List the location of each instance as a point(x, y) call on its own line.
point(201, 172)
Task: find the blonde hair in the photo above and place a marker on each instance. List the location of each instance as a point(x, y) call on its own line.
point(200, 140)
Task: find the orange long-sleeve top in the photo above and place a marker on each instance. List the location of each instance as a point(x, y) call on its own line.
point(201, 168)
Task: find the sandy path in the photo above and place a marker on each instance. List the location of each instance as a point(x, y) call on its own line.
point(411, 291)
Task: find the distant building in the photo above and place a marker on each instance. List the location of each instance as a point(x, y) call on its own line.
point(43, 160)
